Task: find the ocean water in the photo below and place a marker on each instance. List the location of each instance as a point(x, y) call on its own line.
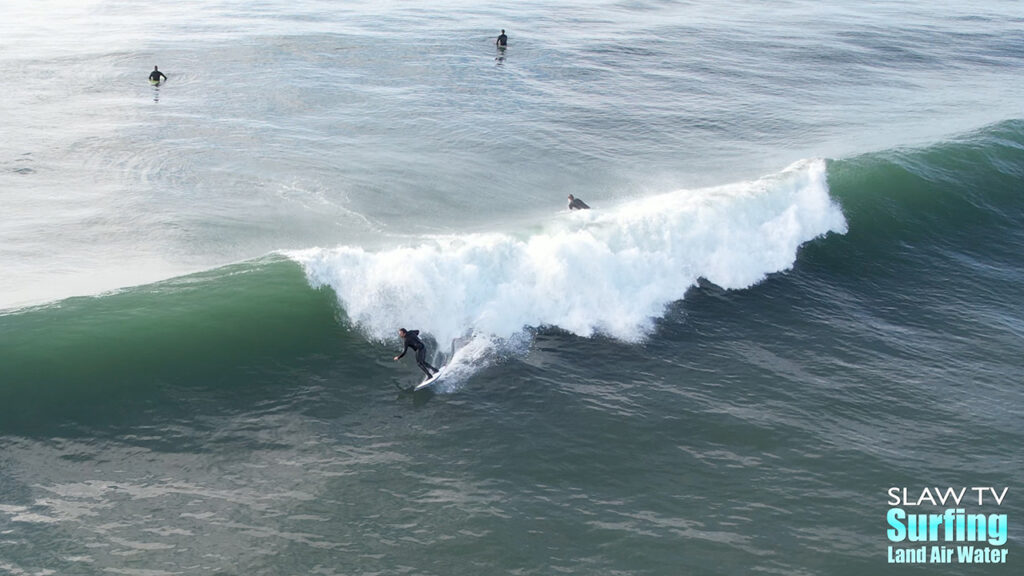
point(799, 286)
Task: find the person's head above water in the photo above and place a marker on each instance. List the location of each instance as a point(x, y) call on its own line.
point(401, 332)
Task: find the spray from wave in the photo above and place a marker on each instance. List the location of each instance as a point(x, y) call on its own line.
point(610, 271)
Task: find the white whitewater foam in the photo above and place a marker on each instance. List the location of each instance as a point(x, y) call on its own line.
point(607, 270)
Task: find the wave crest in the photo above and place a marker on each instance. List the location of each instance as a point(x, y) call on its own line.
point(609, 271)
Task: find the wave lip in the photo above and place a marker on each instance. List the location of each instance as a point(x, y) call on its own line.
point(609, 271)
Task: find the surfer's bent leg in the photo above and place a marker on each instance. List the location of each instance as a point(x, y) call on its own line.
point(421, 360)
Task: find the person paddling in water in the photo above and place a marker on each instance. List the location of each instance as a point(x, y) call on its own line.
point(577, 204)
point(156, 75)
point(411, 338)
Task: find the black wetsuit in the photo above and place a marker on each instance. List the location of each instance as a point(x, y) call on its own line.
point(156, 75)
point(413, 341)
point(502, 41)
point(577, 204)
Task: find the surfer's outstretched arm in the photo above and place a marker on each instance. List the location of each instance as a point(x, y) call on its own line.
point(410, 340)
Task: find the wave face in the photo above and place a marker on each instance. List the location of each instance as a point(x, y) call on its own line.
point(935, 193)
point(947, 221)
point(608, 271)
point(87, 355)
point(944, 223)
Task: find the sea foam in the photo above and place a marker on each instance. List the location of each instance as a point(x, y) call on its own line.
point(611, 270)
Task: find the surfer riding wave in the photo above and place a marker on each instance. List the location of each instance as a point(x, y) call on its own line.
point(411, 340)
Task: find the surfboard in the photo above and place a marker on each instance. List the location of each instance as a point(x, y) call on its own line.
point(430, 380)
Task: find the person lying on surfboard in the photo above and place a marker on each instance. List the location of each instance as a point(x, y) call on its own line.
point(577, 204)
point(411, 338)
point(156, 75)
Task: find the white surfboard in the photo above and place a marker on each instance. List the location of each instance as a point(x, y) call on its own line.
point(430, 380)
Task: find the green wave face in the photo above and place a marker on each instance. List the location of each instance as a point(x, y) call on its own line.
point(88, 353)
point(945, 220)
point(940, 193)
